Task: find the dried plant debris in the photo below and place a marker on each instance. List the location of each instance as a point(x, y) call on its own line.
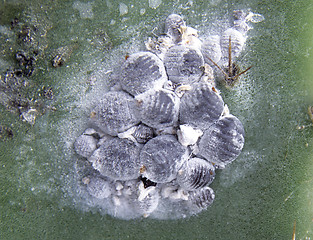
point(62, 54)
point(17, 83)
point(26, 62)
point(155, 144)
point(5, 132)
point(14, 95)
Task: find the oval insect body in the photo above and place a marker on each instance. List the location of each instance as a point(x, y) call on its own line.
point(201, 106)
point(142, 71)
point(98, 187)
point(115, 113)
point(196, 173)
point(86, 143)
point(162, 156)
point(184, 65)
point(118, 159)
point(143, 133)
point(173, 24)
point(158, 108)
point(223, 141)
point(237, 42)
point(201, 199)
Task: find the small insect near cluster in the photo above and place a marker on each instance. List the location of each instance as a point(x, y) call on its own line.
point(220, 51)
point(232, 72)
point(153, 144)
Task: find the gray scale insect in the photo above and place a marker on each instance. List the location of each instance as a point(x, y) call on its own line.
point(223, 141)
point(196, 173)
point(201, 198)
point(115, 113)
point(201, 106)
point(158, 108)
point(98, 187)
point(142, 71)
point(118, 159)
point(173, 24)
point(161, 158)
point(184, 65)
point(86, 143)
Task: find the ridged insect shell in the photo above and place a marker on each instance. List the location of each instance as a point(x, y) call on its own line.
point(118, 159)
point(184, 65)
point(142, 71)
point(158, 108)
point(115, 113)
point(201, 198)
point(161, 158)
point(196, 173)
point(201, 106)
point(237, 43)
point(143, 133)
point(223, 141)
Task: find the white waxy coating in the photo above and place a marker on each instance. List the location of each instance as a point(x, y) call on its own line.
point(115, 113)
point(187, 135)
point(160, 45)
point(158, 108)
point(183, 64)
point(195, 173)
point(140, 134)
point(174, 192)
point(128, 134)
point(118, 159)
point(201, 106)
point(161, 158)
point(147, 201)
point(190, 37)
point(142, 71)
point(223, 141)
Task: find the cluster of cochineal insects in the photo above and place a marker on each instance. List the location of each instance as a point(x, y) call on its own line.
point(155, 140)
point(213, 51)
